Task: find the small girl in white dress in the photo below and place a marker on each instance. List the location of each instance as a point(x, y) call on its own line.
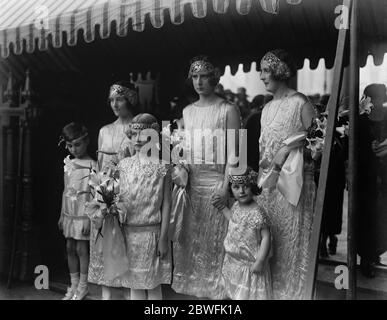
point(245, 271)
point(73, 220)
point(145, 193)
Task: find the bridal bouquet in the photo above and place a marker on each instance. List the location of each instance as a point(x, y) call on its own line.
point(315, 136)
point(105, 188)
point(108, 218)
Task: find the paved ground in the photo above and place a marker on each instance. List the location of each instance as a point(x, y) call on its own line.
point(21, 291)
point(367, 288)
point(341, 255)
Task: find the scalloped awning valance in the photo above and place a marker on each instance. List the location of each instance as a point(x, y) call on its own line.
point(27, 24)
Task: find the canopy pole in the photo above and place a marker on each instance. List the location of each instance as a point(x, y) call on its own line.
point(321, 194)
point(353, 151)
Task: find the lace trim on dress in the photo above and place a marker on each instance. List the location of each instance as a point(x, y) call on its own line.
point(143, 168)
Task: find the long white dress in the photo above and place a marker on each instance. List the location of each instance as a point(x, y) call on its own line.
point(112, 139)
point(291, 225)
point(198, 258)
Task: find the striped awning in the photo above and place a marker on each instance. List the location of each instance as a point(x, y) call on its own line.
point(27, 24)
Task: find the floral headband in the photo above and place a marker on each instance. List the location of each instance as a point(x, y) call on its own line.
point(201, 65)
point(278, 67)
point(130, 94)
point(64, 139)
point(249, 177)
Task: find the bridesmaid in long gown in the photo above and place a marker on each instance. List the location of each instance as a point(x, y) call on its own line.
point(198, 258)
point(113, 145)
point(288, 113)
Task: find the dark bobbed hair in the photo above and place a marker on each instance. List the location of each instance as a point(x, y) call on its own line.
point(287, 58)
point(73, 130)
point(254, 189)
point(214, 76)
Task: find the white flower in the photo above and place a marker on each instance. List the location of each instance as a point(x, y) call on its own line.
point(315, 144)
point(322, 125)
point(365, 105)
point(68, 165)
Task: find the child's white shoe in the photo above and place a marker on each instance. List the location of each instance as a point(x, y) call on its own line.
point(69, 294)
point(80, 294)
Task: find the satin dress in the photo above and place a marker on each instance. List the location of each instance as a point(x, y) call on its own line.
point(199, 256)
point(291, 225)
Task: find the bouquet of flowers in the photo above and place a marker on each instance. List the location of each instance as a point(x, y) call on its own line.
point(105, 190)
point(108, 218)
point(315, 136)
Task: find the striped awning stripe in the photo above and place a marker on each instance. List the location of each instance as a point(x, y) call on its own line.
point(32, 21)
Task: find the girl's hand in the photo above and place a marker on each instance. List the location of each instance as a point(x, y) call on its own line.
point(60, 223)
point(219, 196)
point(162, 248)
point(218, 201)
point(86, 227)
point(257, 267)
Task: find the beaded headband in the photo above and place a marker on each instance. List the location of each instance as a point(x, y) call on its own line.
point(278, 67)
point(130, 94)
point(143, 126)
point(249, 177)
point(202, 66)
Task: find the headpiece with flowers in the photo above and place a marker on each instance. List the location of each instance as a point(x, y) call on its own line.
point(73, 133)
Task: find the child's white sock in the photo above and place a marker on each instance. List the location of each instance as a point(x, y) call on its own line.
point(82, 282)
point(137, 294)
point(155, 294)
point(74, 277)
point(106, 293)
